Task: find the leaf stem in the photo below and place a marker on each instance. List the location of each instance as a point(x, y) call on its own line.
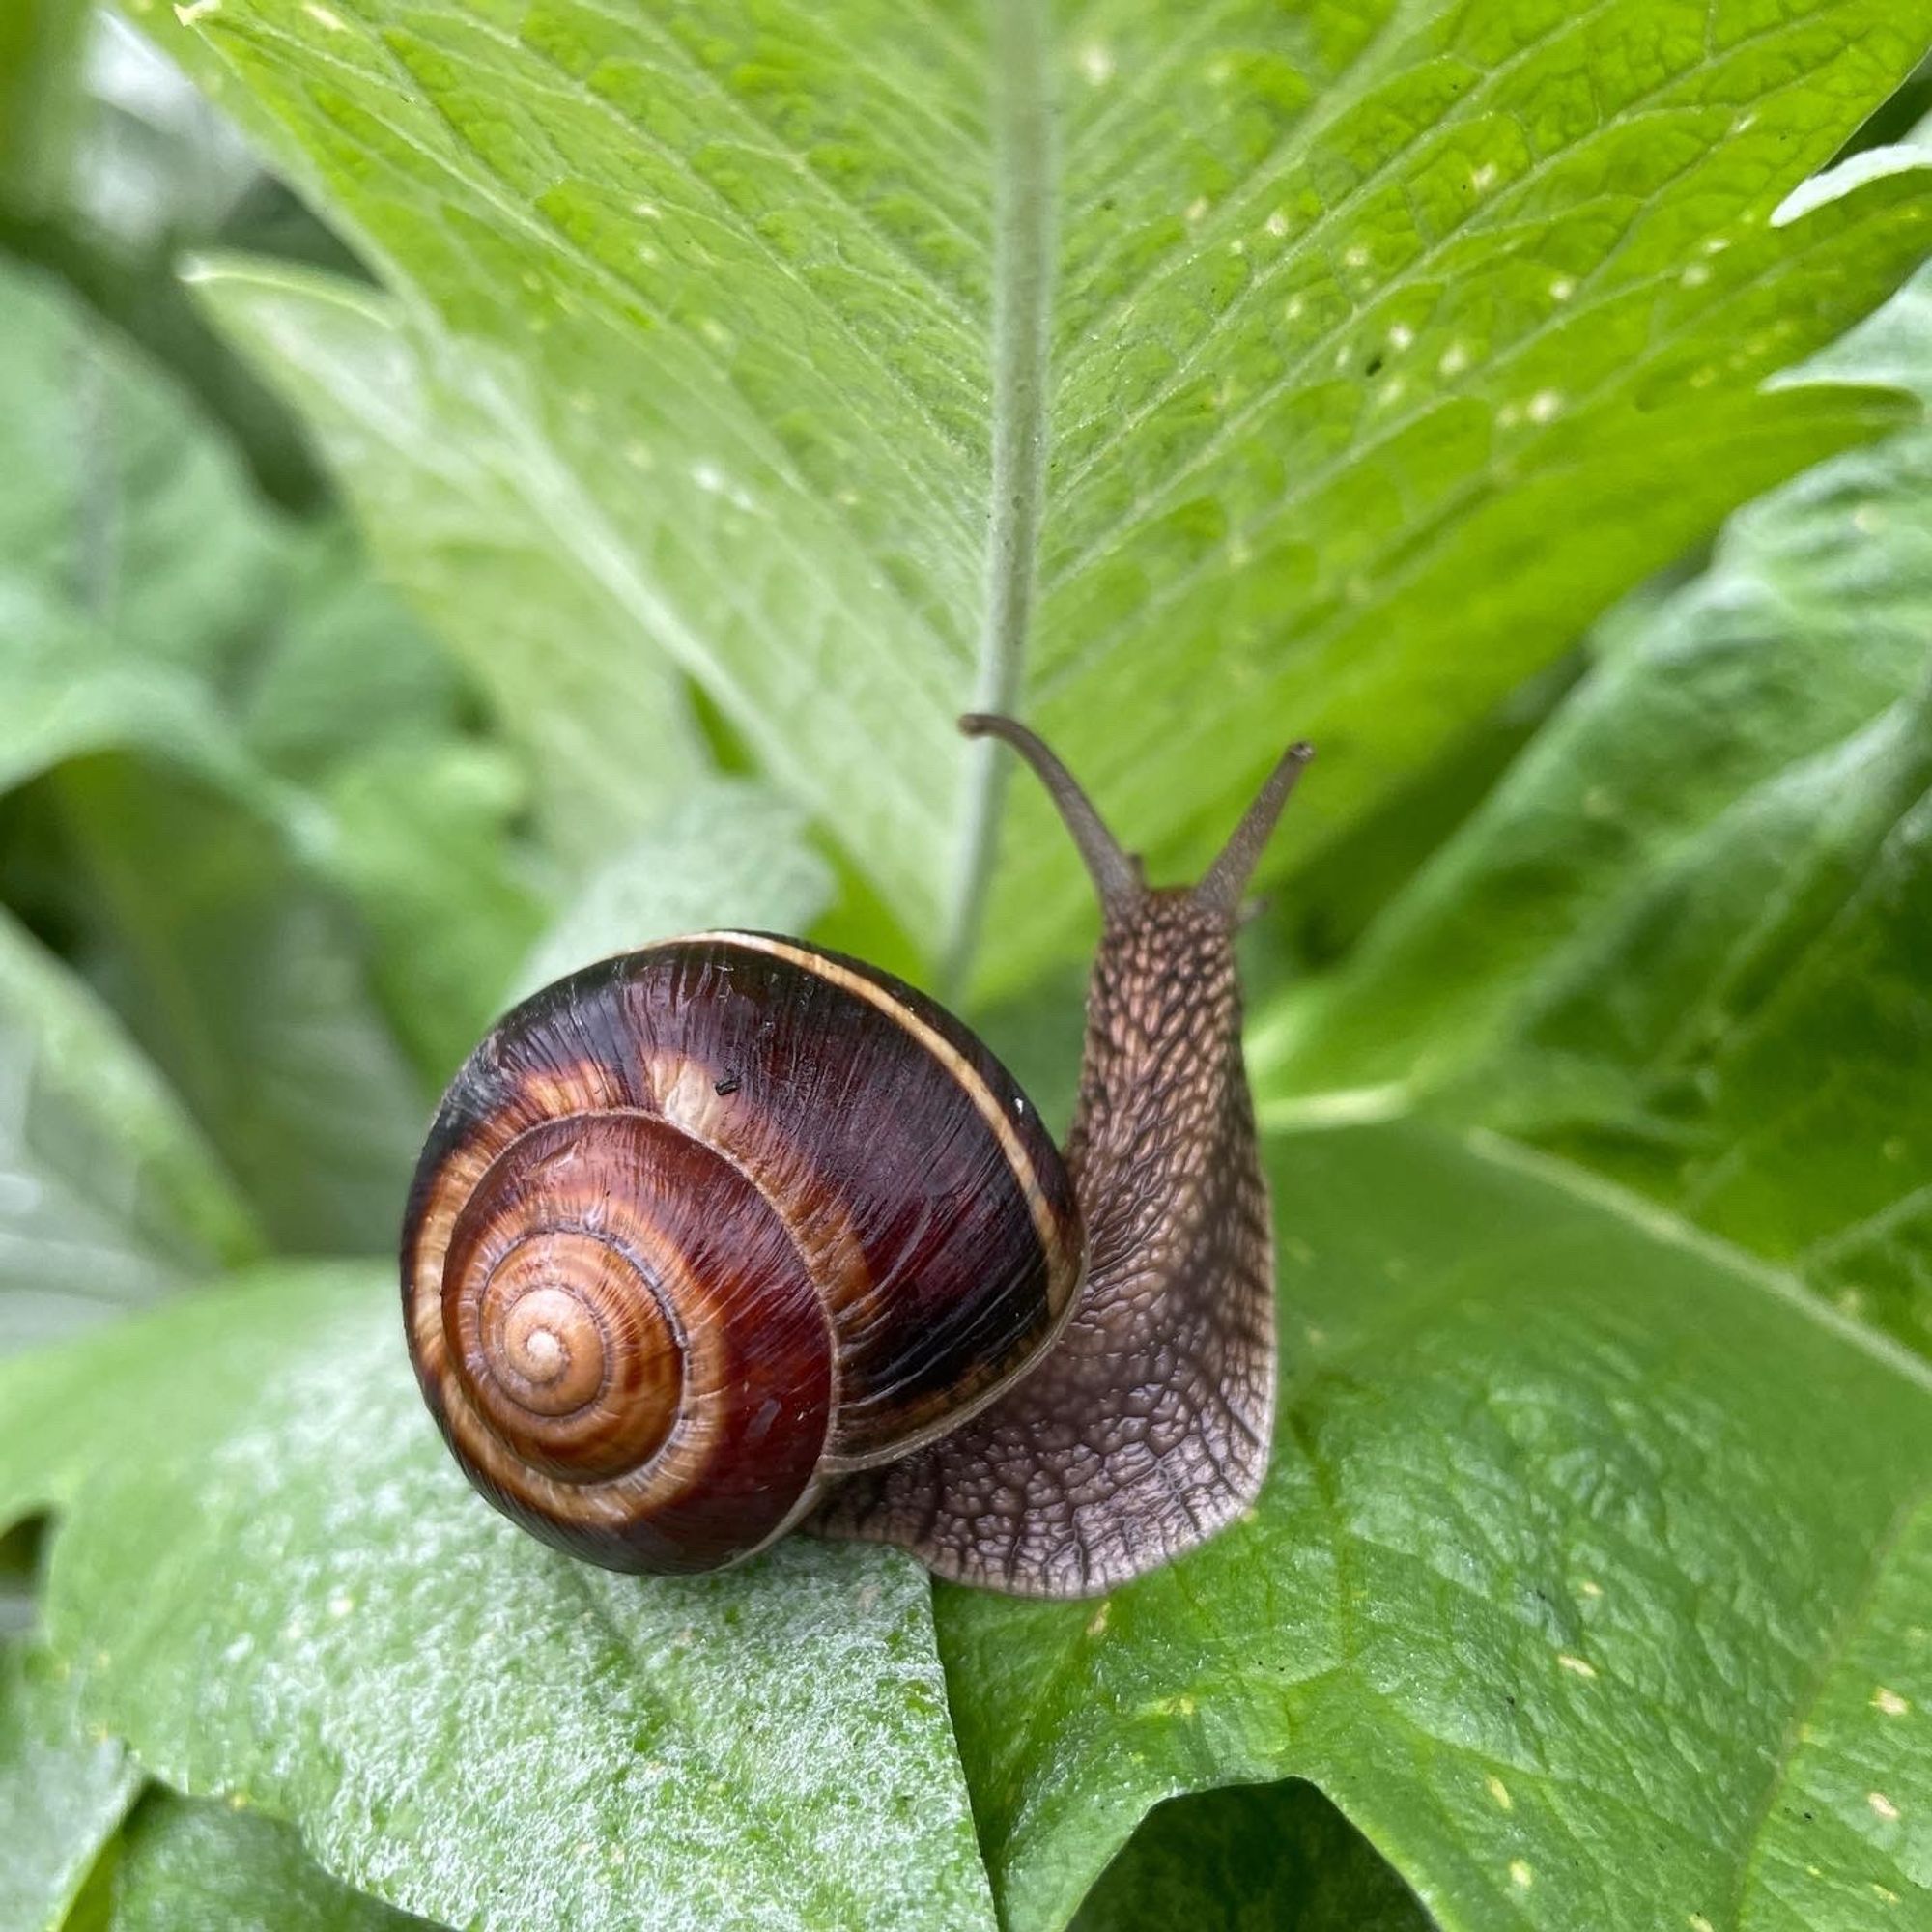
point(1023, 237)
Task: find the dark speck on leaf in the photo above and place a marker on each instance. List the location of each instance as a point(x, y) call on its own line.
point(1374, 367)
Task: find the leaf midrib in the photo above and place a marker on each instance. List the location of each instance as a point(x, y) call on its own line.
point(1023, 233)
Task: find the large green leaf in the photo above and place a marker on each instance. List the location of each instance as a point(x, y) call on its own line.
point(1584, 1622)
point(1186, 376)
point(108, 1194)
point(1685, 940)
point(272, 1581)
point(62, 1793)
point(1588, 1580)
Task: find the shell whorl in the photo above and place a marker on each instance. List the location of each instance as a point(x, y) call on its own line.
point(703, 1226)
point(591, 1345)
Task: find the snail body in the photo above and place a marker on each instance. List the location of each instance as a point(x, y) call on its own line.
point(733, 1232)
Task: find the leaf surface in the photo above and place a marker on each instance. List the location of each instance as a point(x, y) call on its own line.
point(108, 1193)
point(1570, 1613)
point(730, 854)
point(469, 512)
point(62, 1793)
point(185, 1863)
point(1189, 378)
point(331, 1625)
point(1490, 1601)
point(1683, 939)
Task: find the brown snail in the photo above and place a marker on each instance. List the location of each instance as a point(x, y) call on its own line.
point(732, 1234)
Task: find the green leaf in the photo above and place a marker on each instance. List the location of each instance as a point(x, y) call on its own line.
point(1683, 939)
point(180, 1863)
point(270, 1577)
point(245, 984)
point(157, 165)
point(730, 855)
point(40, 44)
point(108, 1194)
point(337, 670)
point(442, 449)
point(131, 559)
point(1576, 1620)
point(1259, 1855)
point(1587, 1550)
point(61, 1794)
point(424, 843)
point(1186, 380)
point(115, 504)
point(116, 164)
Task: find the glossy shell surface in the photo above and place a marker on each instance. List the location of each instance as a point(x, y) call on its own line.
point(700, 1227)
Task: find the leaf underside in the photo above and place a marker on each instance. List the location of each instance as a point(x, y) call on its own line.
point(1344, 314)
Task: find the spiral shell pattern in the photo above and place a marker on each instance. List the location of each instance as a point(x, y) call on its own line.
point(701, 1227)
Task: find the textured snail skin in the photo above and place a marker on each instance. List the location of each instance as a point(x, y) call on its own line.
point(1146, 1427)
point(699, 1228)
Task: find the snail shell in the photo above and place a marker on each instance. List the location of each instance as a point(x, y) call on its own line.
point(731, 1229)
point(702, 1227)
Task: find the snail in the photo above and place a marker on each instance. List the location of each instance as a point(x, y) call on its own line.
point(732, 1235)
